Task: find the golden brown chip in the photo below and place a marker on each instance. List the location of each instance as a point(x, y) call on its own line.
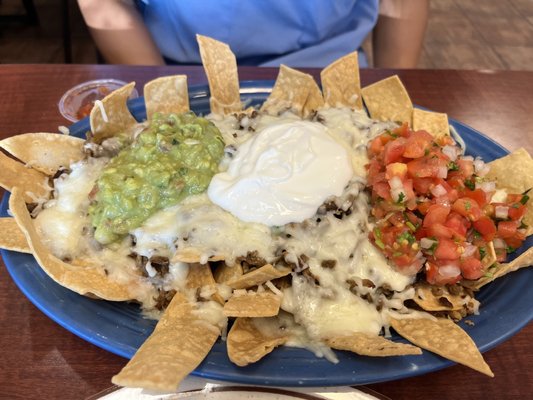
point(11, 237)
point(258, 276)
point(248, 344)
point(373, 346)
point(341, 85)
point(514, 173)
point(387, 100)
point(89, 280)
point(200, 276)
point(433, 122)
point(224, 273)
point(193, 255)
point(168, 94)
point(113, 116)
point(490, 257)
point(45, 152)
point(314, 100)
point(443, 337)
point(32, 183)
point(431, 298)
point(253, 304)
point(291, 91)
point(221, 70)
point(180, 341)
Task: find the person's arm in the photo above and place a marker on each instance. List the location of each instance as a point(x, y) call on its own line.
point(119, 32)
point(399, 33)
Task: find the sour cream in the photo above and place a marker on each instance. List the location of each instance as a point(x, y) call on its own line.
point(282, 174)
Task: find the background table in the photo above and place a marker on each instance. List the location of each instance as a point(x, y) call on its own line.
point(40, 359)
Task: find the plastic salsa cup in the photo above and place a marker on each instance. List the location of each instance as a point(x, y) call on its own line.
point(78, 101)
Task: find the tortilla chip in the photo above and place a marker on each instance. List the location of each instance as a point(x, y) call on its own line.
point(291, 91)
point(221, 70)
point(253, 304)
point(433, 122)
point(514, 173)
point(117, 115)
point(314, 100)
point(430, 298)
point(443, 337)
point(200, 276)
point(224, 273)
point(258, 276)
point(45, 152)
point(180, 341)
point(32, 183)
point(387, 100)
point(193, 255)
point(91, 280)
point(341, 84)
point(247, 344)
point(168, 94)
point(373, 346)
point(490, 257)
point(11, 237)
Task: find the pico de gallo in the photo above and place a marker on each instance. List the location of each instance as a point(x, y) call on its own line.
point(434, 212)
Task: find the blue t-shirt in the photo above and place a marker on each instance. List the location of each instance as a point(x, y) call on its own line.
point(299, 33)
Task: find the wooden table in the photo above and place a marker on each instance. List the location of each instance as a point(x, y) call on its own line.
point(40, 359)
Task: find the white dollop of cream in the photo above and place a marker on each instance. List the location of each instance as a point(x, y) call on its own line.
point(282, 174)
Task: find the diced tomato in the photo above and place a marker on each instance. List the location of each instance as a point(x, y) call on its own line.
point(418, 144)
point(423, 206)
point(402, 130)
point(439, 231)
point(486, 227)
point(517, 211)
point(458, 224)
point(376, 146)
point(396, 169)
point(456, 181)
point(393, 151)
point(447, 250)
point(423, 185)
point(373, 171)
point(471, 268)
point(468, 208)
point(478, 195)
point(382, 189)
point(436, 214)
point(516, 240)
point(425, 167)
point(466, 167)
point(507, 229)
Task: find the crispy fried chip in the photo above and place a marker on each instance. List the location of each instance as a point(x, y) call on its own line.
point(114, 116)
point(247, 344)
point(12, 238)
point(431, 298)
point(167, 94)
point(341, 84)
point(253, 304)
point(514, 172)
point(443, 337)
point(432, 122)
point(224, 273)
point(45, 152)
point(85, 281)
point(490, 257)
point(387, 100)
point(292, 91)
point(192, 255)
point(180, 341)
point(221, 70)
point(200, 276)
point(258, 276)
point(32, 183)
point(374, 346)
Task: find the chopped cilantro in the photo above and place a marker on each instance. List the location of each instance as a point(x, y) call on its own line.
point(509, 249)
point(452, 166)
point(524, 199)
point(470, 184)
point(477, 235)
point(406, 236)
point(482, 252)
point(401, 198)
point(468, 206)
point(426, 152)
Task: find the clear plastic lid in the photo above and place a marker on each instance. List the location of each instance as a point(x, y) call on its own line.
point(78, 101)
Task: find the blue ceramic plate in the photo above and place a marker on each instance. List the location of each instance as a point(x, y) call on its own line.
point(120, 328)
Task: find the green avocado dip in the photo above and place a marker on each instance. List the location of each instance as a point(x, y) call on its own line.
point(174, 157)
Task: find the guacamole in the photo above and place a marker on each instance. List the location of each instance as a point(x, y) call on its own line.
point(174, 157)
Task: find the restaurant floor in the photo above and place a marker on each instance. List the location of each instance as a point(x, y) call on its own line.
point(462, 34)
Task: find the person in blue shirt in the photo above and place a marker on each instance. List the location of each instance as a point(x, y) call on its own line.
point(298, 33)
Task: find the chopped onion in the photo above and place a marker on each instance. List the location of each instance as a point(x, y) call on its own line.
point(449, 271)
point(501, 212)
point(451, 152)
point(443, 172)
point(487, 187)
point(468, 158)
point(438, 190)
point(426, 243)
point(499, 243)
point(480, 167)
point(397, 188)
point(469, 250)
